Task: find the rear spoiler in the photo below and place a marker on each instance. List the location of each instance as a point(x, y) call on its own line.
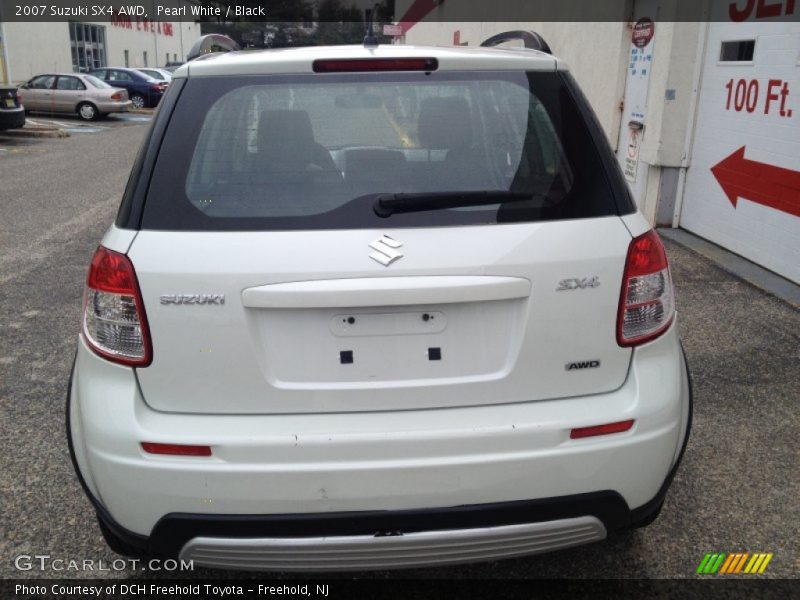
point(212, 44)
point(531, 40)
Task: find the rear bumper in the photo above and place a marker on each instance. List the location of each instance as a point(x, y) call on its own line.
point(12, 118)
point(114, 107)
point(274, 479)
point(411, 549)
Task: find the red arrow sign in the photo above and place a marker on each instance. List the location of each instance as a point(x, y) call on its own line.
point(765, 184)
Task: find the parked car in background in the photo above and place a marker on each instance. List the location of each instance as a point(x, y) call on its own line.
point(144, 91)
point(172, 66)
point(12, 112)
point(158, 74)
point(76, 93)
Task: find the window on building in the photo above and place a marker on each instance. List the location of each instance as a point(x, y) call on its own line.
point(144, 54)
point(88, 46)
point(737, 51)
point(127, 59)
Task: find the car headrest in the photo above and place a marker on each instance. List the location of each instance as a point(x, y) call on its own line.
point(282, 129)
point(444, 123)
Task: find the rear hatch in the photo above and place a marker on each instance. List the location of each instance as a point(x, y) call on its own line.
point(272, 285)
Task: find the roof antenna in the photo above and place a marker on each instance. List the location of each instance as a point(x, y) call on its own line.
point(370, 41)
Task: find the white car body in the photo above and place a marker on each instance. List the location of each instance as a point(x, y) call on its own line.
point(483, 432)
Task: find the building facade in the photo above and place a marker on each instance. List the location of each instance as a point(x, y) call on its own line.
point(704, 116)
point(31, 48)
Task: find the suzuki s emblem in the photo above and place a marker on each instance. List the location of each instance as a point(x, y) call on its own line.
point(385, 250)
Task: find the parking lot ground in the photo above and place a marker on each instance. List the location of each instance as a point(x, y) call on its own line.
point(736, 491)
point(58, 125)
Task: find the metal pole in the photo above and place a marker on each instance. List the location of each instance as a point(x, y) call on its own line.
point(155, 33)
point(4, 43)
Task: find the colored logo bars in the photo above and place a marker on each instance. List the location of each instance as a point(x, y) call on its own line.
point(731, 564)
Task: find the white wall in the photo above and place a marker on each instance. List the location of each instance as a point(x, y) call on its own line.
point(672, 85)
point(756, 227)
point(595, 52)
point(34, 48)
point(136, 41)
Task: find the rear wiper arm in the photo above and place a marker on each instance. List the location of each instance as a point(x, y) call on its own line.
point(387, 205)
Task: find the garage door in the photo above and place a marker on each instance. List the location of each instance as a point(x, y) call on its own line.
point(743, 186)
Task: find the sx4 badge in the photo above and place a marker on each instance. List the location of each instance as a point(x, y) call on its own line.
point(578, 283)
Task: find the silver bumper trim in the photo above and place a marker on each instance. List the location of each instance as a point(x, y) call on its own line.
point(419, 549)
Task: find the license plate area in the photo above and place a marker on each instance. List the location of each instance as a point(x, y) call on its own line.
point(318, 349)
point(10, 103)
point(394, 323)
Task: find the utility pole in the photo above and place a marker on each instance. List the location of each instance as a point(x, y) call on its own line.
point(155, 32)
point(5, 68)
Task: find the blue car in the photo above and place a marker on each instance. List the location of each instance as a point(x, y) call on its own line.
point(144, 91)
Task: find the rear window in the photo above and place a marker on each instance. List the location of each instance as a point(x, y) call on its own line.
point(313, 151)
point(98, 83)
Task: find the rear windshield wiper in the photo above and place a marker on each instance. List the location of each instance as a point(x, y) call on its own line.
point(387, 205)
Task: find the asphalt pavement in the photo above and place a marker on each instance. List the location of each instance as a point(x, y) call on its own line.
point(736, 491)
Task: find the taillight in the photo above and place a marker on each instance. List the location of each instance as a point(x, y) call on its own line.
point(355, 65)
point(176, 449)
point(155, 87)
point(18, 98)
point(646, 304)
point(114, 322)
point(116, 96)
point(594, 430)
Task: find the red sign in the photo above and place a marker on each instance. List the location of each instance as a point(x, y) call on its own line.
point(761, 183)
point(744, 95)
point(142, 24)
point(643, 32)
point(764, 9)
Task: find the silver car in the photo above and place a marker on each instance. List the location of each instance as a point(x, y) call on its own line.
point(157, 74)
point(85, 95)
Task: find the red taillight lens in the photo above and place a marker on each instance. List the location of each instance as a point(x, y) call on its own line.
point(354, 65)
point(176, 449)
point(584, 432)
point(18, 98)
point(116, 96)
point(155, 87)
point(114, 322)
point(646, 304)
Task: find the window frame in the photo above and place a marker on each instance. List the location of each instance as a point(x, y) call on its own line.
point(82, 87)
point(736, 63)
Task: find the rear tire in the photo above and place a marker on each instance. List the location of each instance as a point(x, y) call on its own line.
point(117, 544)
point(88, 111)
point(138, 101)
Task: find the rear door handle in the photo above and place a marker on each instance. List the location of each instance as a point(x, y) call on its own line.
point(386, 291)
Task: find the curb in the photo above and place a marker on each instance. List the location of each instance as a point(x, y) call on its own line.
point(736, 265)
point(36, 133)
